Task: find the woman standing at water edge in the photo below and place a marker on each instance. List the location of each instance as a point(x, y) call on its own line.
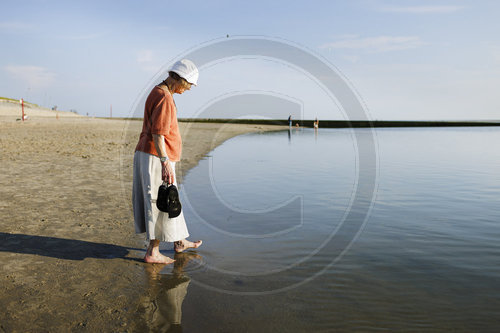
point(158, 149)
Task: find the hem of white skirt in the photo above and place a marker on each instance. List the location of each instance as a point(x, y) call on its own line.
point(164, 239)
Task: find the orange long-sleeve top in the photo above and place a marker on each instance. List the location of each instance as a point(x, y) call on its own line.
point(160, 117)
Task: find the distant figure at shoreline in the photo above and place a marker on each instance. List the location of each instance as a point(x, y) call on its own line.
point(290, 120)
point(316, 123)
point(158, 149)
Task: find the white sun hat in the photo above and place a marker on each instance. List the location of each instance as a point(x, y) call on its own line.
point(187, 70)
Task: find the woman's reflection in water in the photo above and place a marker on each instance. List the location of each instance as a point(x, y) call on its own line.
point(163, 308)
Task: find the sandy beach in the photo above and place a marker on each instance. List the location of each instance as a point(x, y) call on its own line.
point(70, 258)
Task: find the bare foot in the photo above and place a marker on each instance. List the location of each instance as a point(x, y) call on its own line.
point(158, 259)
point(185, 244)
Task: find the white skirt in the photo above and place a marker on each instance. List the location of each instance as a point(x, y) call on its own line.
point(148, 218)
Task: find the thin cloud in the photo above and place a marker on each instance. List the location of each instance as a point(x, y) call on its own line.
point(376, 44)
point(351, 58)
point(160, 28)
point(146, 61)
point(345, 36)
point(34, 76)
point(144, 56)
point(13, 26)
point(423, 9)
point(86, 36)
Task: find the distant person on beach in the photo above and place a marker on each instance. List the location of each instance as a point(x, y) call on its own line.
point(290, 120)
point(155, 155)
point(316, 123)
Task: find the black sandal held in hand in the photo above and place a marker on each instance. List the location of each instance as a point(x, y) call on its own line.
point(168, 200)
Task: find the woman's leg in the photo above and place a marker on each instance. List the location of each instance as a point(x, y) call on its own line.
point(153, 255)
point(184, 244)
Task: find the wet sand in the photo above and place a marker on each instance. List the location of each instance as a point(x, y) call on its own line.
point(70, 258)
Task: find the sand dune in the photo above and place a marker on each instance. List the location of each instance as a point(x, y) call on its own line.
point(11, 111)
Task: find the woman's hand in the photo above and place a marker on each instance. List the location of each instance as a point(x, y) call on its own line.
point(167, 173)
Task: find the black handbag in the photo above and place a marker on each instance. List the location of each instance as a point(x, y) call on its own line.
point(168, 200)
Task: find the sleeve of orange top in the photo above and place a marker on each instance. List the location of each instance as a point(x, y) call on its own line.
point(161, 116)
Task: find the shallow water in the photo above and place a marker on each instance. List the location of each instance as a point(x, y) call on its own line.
point(275, 255)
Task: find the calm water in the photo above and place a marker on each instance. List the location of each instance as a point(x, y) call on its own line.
point(269, 208)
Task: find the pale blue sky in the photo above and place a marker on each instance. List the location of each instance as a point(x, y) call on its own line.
point(406, 59)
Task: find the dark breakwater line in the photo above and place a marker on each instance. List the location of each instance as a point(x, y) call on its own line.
point(349, 124)
point(339, 123)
